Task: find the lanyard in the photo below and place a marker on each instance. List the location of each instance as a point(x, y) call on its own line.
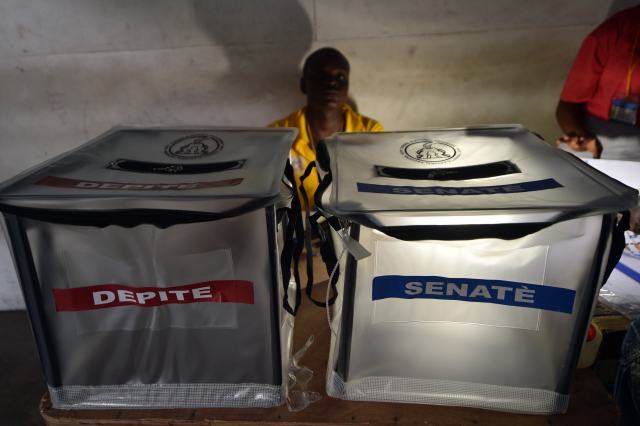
point(634, 61)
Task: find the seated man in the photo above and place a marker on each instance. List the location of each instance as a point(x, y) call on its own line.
point(325, 82)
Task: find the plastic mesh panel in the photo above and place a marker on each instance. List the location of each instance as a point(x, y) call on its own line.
point(190, 395)
point(443, 392)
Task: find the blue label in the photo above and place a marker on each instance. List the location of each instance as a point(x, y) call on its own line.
point(500, 292)
point(631, 273)
point(536, 185)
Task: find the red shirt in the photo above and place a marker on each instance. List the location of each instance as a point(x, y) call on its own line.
point(600, 70)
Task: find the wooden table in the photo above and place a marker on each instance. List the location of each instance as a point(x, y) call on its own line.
point(590, 403)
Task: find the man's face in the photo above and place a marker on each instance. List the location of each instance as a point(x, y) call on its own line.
point(326, 83)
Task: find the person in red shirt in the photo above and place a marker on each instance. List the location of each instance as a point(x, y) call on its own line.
point(598, 113)
point(598, 107)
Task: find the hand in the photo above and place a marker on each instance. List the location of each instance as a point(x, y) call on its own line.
point(634, 221)
point(582, 143)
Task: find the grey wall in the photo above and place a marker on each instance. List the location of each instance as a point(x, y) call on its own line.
point(70, 69)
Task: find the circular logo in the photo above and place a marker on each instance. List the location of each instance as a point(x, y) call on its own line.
point(193, 147)
point(429, 151)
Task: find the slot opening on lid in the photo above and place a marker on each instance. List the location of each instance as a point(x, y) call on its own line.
point(499, 168)
point(173, 168)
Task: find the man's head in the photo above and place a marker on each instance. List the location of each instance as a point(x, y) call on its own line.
point(325, 78)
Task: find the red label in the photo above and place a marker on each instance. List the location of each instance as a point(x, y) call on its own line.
point(61, 182)
point(111, 295)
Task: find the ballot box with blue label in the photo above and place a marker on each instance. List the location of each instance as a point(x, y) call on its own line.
point(486, 250)
point(149, 260)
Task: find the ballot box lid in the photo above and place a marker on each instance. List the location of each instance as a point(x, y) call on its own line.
point(474, 175)
point(178, 168)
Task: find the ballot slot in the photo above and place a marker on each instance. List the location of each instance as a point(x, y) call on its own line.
point(173, 168)
point(481, 171)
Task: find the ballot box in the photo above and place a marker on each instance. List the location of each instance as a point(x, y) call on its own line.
point(149, 260)
point(473, 258)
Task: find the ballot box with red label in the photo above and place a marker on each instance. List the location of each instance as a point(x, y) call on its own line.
point(149, 259)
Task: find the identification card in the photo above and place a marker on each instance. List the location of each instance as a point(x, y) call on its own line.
point(624, 109)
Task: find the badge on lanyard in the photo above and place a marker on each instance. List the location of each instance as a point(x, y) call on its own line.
point(625, 109)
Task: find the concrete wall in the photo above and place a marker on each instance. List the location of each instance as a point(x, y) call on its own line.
point(71, 69)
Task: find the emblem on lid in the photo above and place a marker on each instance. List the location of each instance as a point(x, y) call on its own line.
point(194, 146)
point(429, 151)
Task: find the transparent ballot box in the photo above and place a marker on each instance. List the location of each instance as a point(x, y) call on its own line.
point(149, 259)
point(473, 258)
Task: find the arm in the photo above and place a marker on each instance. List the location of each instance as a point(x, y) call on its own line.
point(634, 220)
point(580, 86)
point(570, 117)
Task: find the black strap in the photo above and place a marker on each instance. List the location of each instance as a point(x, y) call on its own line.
point(324, 184)
point(307, 172)
point(131, 217)
point(293, 239)
point(307, 234)
point(328, 253)
point(617, 244)
point(326, 245)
